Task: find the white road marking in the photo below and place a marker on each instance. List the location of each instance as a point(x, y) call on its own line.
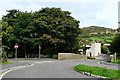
point(12, 69)
point(45, 62)
point(5, 71)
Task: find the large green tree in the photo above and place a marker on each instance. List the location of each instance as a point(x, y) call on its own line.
point(55, 30)
point(115, 45)
point(118, 27)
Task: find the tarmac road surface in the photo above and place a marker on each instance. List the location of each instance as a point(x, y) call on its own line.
point(55, 69)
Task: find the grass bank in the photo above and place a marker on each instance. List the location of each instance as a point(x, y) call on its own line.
point(109, 73)
point(117, 61)
point(4, 63)
point(92, 58)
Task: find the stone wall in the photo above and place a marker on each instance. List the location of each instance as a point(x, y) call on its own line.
point(103, 57)
point(64, 56)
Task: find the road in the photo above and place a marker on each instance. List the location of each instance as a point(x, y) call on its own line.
point(54, 69)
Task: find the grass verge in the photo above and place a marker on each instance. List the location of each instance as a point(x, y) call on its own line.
point(116, 62)
point(109, 73)
point(90, 58)
point(4, 63)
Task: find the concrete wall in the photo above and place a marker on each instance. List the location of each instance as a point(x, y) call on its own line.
point(64, 56)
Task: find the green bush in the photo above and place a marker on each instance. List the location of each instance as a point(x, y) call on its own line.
point(55, 56)
point(4, 56)
point(11, 55)
point(104, 49)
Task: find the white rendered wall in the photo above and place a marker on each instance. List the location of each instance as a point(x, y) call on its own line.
point(95, 50)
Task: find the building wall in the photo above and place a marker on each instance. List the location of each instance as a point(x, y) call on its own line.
point(97, 49)
point(94, 51)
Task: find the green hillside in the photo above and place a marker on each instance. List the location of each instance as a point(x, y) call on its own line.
point(96, 33)
point(97, 29)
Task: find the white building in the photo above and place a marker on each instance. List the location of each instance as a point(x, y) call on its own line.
point(94, 50)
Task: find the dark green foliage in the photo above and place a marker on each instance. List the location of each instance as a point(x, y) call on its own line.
point(104, 49)
point(118, 29)
point(55, 30)
point(115, 45)
point(4, 56)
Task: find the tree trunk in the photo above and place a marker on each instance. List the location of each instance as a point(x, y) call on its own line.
point(25, 52)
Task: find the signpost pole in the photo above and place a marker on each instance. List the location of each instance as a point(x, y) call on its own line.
point(16, 54)
point(16, 46)
point(39, 51)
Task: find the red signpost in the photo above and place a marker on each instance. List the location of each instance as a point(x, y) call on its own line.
point(16, 46)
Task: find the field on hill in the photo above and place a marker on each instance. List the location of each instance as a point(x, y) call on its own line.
point(97, 34)
point(107, 39)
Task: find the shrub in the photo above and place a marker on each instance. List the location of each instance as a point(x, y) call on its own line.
point(4, 56)
point(55, 56)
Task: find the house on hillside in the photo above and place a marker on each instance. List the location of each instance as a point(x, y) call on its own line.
point(93, 50)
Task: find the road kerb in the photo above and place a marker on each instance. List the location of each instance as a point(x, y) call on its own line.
point(89, 74)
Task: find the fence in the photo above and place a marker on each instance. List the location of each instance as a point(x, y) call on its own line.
point(32, 55)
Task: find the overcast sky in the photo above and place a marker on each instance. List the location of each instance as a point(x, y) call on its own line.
point(88, 12)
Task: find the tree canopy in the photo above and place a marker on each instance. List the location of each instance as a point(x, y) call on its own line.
point(55, 30)
point(115, 45)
